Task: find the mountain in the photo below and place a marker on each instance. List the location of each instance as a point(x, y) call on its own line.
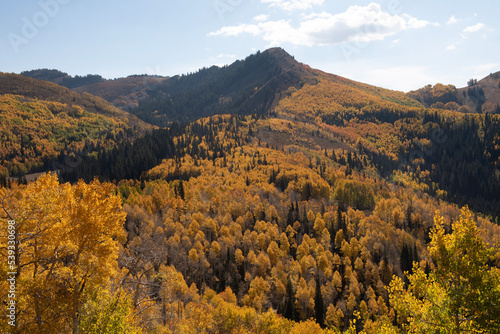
point(253, 85)
point(446, 153)
point(420, 138)
point(41, 121)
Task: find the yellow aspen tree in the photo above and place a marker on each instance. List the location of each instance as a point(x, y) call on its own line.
point(69, 236)
point(334, 317)
point(258, 294)
point(461, 294)
point(305, 298)
point(273, 252)
point(308, 326)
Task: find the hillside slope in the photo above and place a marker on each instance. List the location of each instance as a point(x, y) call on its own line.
point(446, 153)
point(481, 96)
point(124, 93)
point(42, 120)
point(305, 229)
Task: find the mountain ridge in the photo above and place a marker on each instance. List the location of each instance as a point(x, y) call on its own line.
point(136, 91)
point(255, 84)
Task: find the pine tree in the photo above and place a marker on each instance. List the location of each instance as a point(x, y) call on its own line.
point(290, 312)
point(406, 259)
point(408, 220)
point(181, 190)
point(319, 306)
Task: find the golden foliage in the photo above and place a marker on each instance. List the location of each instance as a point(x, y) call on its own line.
point(68, 246)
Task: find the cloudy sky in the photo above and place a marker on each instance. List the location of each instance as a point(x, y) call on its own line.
point(397, 44)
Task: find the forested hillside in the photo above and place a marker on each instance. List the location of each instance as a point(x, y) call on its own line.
point(448, 154)
point(40, 121)
point(253, 85)
point(303, 202)
point(63, 79)
point(481, 96)
point(123, 93)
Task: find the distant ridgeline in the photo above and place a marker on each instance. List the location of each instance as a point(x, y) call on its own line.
point(62, 78)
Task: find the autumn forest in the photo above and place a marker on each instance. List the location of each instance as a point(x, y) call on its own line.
point(260, 197)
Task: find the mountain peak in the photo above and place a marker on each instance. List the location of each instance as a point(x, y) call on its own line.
point(284, 59)
point(278, 52)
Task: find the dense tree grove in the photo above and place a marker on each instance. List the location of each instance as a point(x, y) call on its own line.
point(229, 242)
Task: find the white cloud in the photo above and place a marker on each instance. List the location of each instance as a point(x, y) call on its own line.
point(237, 30)
point(475, 28)
point(277, 32)
point(414, 23)
point(356, 24)
point(261, 17)
point(451, 47)
point(452, 20)
point(293, 4)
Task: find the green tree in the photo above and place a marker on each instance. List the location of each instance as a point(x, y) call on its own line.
point(355, 194)
point(107, 312)
point(462, 293)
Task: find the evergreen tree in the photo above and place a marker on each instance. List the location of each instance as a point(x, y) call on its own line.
point(319, 305)
point(181, 190)
point(290, 312)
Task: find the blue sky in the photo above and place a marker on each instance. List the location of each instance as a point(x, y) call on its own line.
point(397, 44)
